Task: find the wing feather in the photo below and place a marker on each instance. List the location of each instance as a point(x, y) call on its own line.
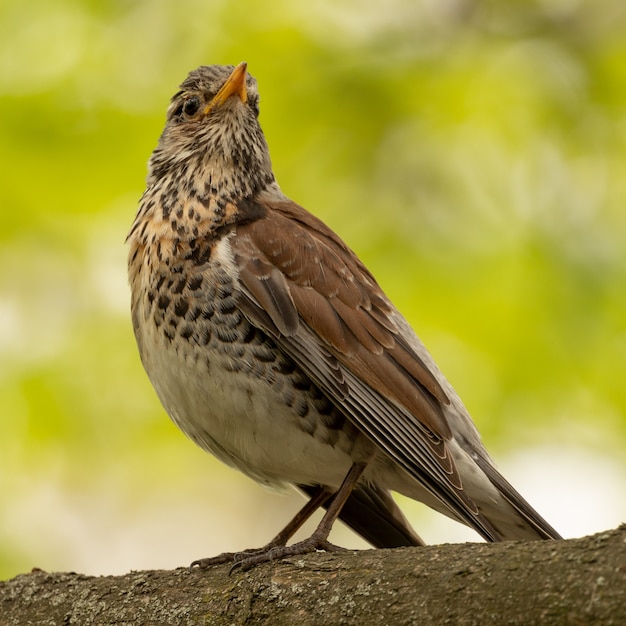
point(302, 285)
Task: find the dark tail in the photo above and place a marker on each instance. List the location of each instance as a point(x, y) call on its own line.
point(530, 524)
point(372, 513)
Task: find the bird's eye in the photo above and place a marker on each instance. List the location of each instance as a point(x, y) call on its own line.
point(191, 106)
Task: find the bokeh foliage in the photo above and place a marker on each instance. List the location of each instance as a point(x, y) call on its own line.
point(473, 154)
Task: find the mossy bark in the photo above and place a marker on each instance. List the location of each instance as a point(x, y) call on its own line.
point(579, 581)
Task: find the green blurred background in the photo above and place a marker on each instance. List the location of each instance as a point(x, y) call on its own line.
point(472, 153)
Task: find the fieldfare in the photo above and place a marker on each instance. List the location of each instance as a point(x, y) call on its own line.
point(271, 345)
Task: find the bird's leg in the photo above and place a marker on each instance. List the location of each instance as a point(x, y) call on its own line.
point(281, 539)
point(314, 503)
point(319, 539)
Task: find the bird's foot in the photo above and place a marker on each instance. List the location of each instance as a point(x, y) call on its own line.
point(230, 557)
point(312, 544)
point(271, 552)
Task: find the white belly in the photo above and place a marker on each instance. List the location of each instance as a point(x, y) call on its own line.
point(241, 419)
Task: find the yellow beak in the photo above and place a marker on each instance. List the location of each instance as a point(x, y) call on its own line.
point(235, 84)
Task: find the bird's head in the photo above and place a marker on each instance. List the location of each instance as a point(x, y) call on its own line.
point(212, 130)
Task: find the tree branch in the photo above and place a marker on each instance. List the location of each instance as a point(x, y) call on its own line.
point(579, 581)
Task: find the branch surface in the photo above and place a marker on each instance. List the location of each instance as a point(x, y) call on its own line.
point(578, 581)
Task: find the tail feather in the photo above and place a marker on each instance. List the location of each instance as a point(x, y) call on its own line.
point(529, 524)
point(372, 513)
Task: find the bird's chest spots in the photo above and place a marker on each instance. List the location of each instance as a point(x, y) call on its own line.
point(183, 294)
point(224, 382)
point(194, 308)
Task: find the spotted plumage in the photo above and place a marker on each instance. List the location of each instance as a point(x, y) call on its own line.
point(272, 346)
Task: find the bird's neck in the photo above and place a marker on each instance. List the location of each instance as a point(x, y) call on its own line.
point(194, 201)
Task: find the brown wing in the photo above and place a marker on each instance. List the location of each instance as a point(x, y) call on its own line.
point(303, 285)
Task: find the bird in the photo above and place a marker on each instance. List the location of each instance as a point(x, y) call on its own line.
point(272, 346)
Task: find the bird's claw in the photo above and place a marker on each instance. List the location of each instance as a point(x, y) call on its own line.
point(246, 560)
